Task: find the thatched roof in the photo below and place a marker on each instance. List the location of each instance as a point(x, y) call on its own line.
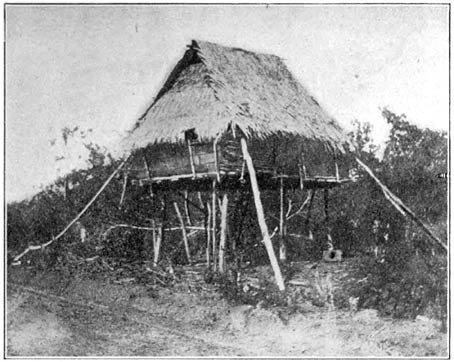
point(214, 87)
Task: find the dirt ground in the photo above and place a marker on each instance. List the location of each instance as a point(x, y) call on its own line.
point(48, 315)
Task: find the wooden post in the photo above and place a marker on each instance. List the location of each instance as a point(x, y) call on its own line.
point(224, 208)
point(160, 235)
point(123, 192)
point(300, 169)
point(191, 159)
point(282, 246)
point(309, 209)
point(261, 217)
point(216, 160)
point(243, 168)
point(208, 234)
point(183, 232)
point(186, 207)
point(147, 165)
point(202, 204)
point(213, 224)
point(153, 225)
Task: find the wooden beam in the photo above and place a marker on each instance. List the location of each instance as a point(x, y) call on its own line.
point(261, 217)
point(224, 208)
point(183, 232)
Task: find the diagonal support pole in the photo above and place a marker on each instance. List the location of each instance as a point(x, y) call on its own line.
point(261, 216)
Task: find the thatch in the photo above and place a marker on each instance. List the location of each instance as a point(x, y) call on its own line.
point(214, 87)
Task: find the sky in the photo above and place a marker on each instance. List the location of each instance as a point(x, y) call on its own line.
point(99, 67)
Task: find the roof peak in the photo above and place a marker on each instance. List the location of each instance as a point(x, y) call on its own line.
point(200, 44)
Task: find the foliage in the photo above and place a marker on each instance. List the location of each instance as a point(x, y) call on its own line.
point(402, 273)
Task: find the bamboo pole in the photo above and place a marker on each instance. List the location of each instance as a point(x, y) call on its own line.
point(289, 216)
point(79, 215)
point(401, 207)
point(186, 207)
point(199, 196)
point(282, 246)
point(191, 158)
point(153, 234)
point(213, 224)
point(137, 227)
point(123, 192)
point(147, 165)
point(183, 232)
point(300, 170)
point(224, 209)
point(189, 201)
point(216, 157)
point(158, 246)
point(161, 234)
point(208, 234)
point(261, 216)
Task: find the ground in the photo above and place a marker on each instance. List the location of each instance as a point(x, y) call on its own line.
point(116, 312)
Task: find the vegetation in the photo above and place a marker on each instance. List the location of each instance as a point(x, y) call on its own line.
point(402, 273)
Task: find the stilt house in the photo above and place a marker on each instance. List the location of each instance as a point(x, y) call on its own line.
point(228, 117)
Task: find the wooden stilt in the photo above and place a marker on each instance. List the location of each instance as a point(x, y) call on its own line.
point(153, 235)
point(199, 196)
point(160, 234)
point(147, 164)
point(183, 232)
point(224, 207)
point(208, 234)
point(191, 158)
point(309, 209)
point(261, 216)
point(216, 160)
point(123, 192)
point(300, 169)
point(213, 225)
point(186, 207)
point(282, 246)
point(157, 237)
